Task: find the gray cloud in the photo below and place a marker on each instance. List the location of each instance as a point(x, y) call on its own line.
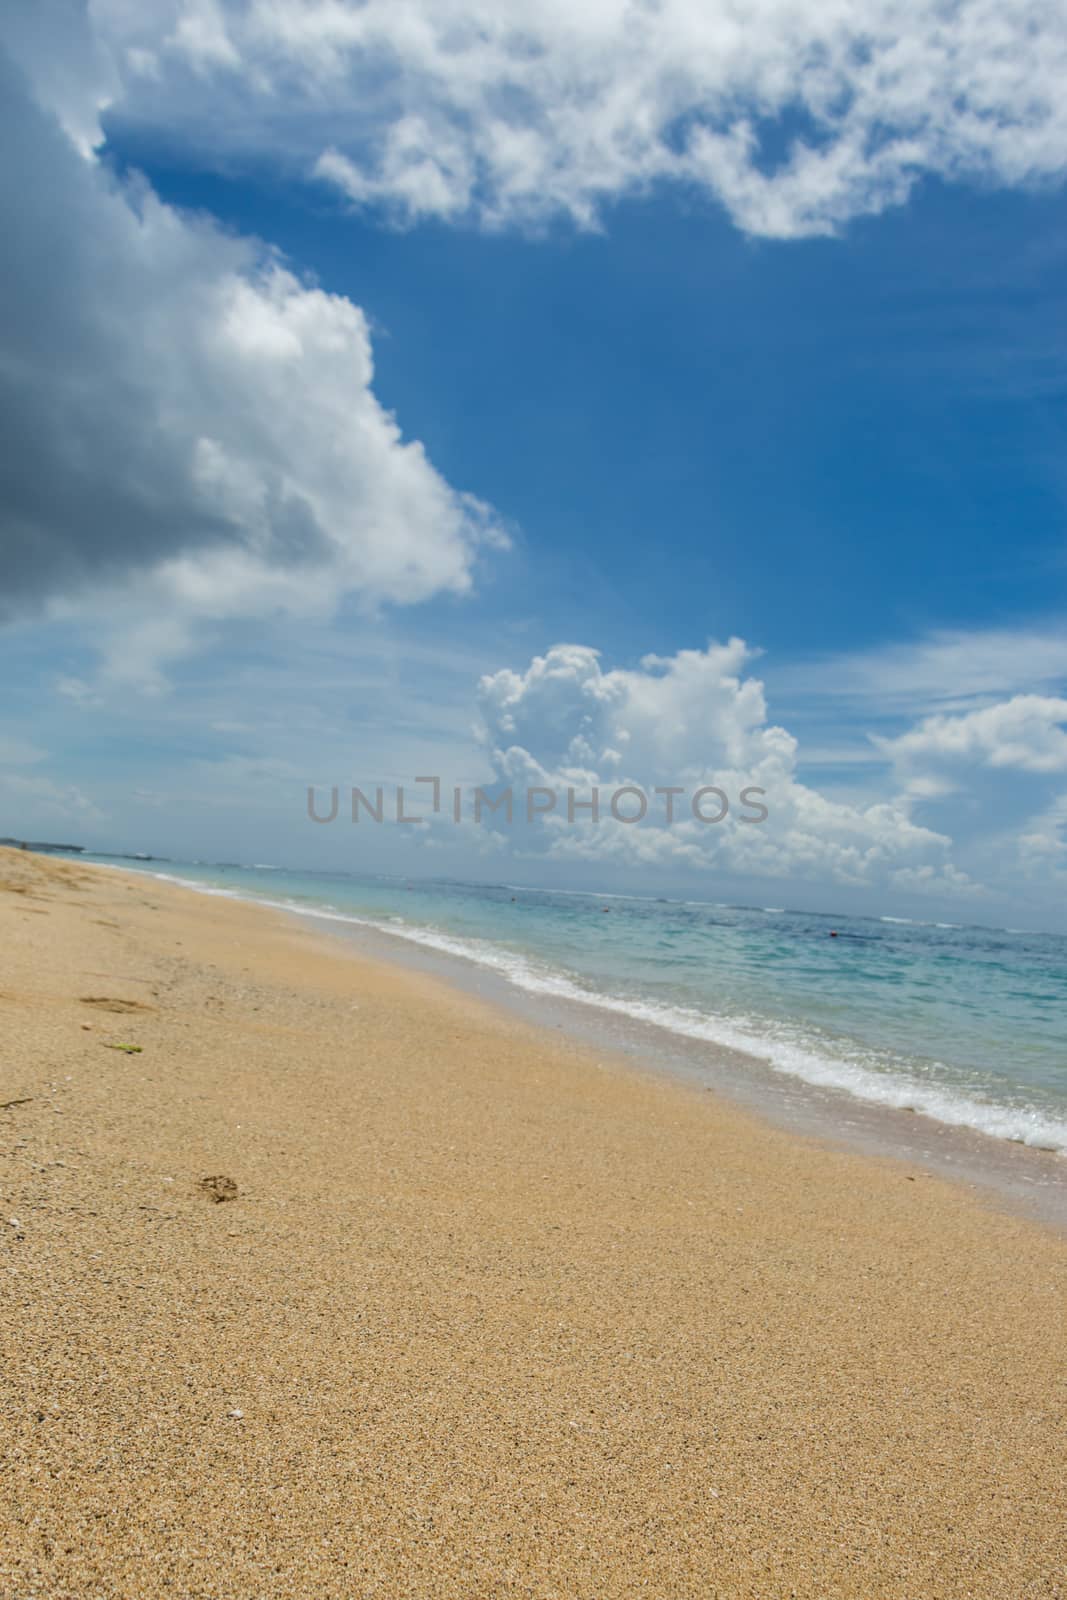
point(90, 482)
point(174, 403)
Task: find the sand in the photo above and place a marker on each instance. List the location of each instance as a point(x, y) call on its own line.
point(469, 1310)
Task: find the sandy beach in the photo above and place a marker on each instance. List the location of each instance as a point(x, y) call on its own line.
point(469, 1309)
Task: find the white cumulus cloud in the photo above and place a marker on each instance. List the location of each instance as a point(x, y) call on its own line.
point(685, 721)
point(1027, 733)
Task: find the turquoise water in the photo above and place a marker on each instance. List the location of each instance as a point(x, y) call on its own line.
point(966, 1024)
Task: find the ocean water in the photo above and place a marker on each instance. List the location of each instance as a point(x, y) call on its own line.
point(965, 1024)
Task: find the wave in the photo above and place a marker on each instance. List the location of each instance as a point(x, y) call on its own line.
point(589, 894)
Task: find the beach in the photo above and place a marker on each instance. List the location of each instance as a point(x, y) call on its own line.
point(466, 1307)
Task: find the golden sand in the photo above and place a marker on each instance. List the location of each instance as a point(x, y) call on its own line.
point(488, 1315)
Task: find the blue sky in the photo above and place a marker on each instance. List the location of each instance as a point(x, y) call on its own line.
point(837, 441)
point(822, 414)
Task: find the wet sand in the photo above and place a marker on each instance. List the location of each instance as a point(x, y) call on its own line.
point(471, 1309)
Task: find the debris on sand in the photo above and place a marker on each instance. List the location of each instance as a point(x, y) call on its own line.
point(107, 1002)
point(218, 1188)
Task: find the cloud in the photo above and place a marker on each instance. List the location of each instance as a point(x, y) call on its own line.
point(1024, 734)
point(1042, 848)
point(16, 752)
point(688, 720)
point(949, 670)
point(796, 115)
point(190, 430)
point(40, 798)
point(1001, 770)
point(55, 46)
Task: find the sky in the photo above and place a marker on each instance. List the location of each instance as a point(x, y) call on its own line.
point(660, 394)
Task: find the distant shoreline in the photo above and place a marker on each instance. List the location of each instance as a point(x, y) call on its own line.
point(42, 847)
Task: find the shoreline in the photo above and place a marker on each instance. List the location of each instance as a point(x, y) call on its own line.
point(488, 1315)
point(1025, 1178)
point(1021, 1177)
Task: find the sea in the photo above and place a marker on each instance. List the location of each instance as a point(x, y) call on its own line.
point(963, 1024)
